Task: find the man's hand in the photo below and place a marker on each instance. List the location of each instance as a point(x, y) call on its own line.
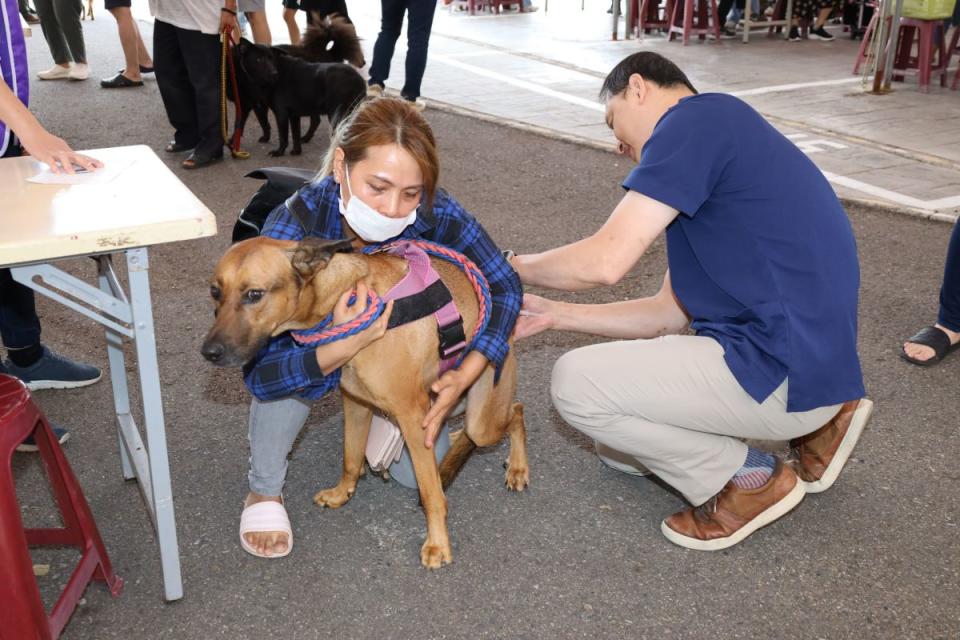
point(55, 153)
point(535, 316)
point(228, 19)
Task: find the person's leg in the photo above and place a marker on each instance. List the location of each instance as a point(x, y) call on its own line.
point(274, 427)
point(674, 405)
point(129, 41)
point(53, 35)
point(948, 317)
point(259, 27)
point(19, 324)
point(201, 53)
point(419, 24)
point(143, 56)
point(68, 16)
point(176, 91)
point(290, 18)
point(391, 21)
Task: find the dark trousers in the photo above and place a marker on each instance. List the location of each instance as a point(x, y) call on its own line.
point(724, 6)
point(950, 289)
point(418, 37)
point(187, 67)
point(19, 324)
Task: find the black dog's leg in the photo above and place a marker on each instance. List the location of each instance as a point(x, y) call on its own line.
point(295, 131)
point(283, 121)
point(261, 111)
point(314, 123)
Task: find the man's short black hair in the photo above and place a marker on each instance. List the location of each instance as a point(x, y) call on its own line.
point(651, 66)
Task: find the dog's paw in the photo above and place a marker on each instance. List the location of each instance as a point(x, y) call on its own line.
point(264, 138)
point(517, 478)
point(306, 139)
point(434, 556)
point(334, 498)
point(296, 151)
point(276, 153)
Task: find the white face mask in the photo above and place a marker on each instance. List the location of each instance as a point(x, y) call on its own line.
point(369, 223)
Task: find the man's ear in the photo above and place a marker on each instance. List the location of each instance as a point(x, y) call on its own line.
point(637, 87)
point(314, 254)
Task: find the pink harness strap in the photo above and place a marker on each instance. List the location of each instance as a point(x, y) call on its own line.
point(420, 275)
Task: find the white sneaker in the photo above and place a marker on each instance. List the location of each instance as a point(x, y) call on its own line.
point(56, 72)
point(619, 461)
point(79, 71)
point(531, 9)
point(374, 90)
point(419, 104)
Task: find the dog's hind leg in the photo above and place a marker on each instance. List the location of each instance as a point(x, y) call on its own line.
point(283, 120)
point(314, 123)
point(461, 446)
point(491, 412)
point(356, 428)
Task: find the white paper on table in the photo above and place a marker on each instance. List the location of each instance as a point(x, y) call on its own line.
point(102, 175)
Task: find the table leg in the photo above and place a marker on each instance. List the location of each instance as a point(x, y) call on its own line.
point(142, 309)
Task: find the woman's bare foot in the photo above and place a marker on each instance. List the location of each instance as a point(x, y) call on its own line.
point(265, 542)
point(923, 352)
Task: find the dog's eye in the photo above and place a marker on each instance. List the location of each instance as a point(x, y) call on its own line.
point(254, 295)
point(215, 292)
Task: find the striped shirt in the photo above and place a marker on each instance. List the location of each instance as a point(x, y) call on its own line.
point(284, 368)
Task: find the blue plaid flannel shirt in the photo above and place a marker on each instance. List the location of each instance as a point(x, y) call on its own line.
point(284, 368)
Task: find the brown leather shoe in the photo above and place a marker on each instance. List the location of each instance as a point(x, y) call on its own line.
point(820, 456)
point(734, 513)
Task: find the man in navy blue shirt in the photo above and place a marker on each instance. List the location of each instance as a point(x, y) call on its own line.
point(762, 268)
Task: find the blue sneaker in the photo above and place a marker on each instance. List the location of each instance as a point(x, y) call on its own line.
point(30, 446)
point(53, 371)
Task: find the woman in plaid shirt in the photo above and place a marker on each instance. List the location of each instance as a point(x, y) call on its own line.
point(381, 171)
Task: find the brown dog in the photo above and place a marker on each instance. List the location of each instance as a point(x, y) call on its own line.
point(263, 287)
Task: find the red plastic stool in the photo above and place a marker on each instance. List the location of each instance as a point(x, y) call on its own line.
point(868, 36)
point(22, 616)
point(649, 16)
point(682, 19)
point(931, 39)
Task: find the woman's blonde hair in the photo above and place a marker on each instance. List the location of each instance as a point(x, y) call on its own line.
point(383, 121)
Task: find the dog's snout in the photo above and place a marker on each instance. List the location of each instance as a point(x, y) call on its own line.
point(213, 350)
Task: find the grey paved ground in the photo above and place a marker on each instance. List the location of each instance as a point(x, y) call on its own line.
point(580, 554)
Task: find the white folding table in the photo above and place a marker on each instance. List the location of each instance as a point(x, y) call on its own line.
point(144, 205)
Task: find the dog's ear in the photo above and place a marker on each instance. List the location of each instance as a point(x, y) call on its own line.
point(313, 254)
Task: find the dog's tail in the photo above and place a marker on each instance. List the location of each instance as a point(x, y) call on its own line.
point(333, 39)
point(461, 446)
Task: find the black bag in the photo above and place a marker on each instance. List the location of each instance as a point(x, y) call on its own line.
point(281, 183)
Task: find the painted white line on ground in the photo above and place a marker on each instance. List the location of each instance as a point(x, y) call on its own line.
point(792, 87)
point(893, 196)
point(521, 84)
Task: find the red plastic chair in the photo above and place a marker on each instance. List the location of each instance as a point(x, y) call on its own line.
point(694, 18)
point(22, 615)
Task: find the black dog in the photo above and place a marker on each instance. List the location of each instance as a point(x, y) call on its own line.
point(332, 39)
point(295, 88)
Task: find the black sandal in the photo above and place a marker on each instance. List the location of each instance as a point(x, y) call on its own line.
point(120, 81)
point(936, 339)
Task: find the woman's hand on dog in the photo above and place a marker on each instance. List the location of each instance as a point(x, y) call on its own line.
point(536, 315)
point(449, 388)
point(334, 355)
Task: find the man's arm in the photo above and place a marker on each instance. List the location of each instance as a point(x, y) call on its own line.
point(658, 315)
point(606, 256)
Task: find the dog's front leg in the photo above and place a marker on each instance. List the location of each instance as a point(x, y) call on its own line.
point(435, 551)
point(261, 112)
point(283, 120)
point(314, 123)
point(356, 428)
point(295, 134)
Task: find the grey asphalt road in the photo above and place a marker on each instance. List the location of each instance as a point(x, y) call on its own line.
point(579, 555)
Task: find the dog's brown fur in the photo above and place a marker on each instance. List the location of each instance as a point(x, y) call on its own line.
point(302, 283)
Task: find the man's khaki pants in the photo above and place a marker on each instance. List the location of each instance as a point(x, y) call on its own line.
point(673, 404)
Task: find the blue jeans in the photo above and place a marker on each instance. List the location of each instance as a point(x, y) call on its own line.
point(19, 324)
point(950, 289)
point(418, 38)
